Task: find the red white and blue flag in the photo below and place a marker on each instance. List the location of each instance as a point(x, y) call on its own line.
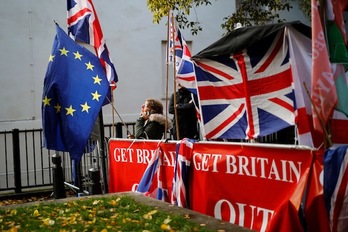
point(182, 164)
point(300, 47)
point(184, 66)
point(151, 183)
point(185, 73)
point(83, 26)
point(336, 187)
point(247, 94)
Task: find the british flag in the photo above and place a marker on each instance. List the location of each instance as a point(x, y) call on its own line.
point(83, 25)
point(182, 165)
point(336, 187)
point(247, 94)
point(300, 47)
point(185, 74)
point(151, 183)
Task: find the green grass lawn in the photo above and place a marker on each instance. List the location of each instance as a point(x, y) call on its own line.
point(114, 213)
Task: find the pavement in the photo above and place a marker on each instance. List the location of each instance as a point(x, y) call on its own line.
point(198, 218)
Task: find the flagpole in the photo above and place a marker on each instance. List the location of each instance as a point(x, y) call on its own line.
point(174, 71)
point(102, 150)
point(112, 113)
point(167, 75)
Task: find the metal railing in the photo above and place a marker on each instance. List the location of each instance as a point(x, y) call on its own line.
point(26, 165)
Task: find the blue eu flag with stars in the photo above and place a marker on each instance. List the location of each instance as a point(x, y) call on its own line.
point(74, 90)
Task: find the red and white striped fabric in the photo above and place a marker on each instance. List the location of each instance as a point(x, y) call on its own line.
point(181, 173)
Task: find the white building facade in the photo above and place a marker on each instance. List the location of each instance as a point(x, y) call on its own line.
point(136, 46)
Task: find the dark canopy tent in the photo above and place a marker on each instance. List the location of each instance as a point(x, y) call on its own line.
point(244, 37)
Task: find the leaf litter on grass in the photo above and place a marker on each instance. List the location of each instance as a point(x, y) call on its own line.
point(104, 214)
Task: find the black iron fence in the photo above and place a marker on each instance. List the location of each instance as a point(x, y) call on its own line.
point(26, 165)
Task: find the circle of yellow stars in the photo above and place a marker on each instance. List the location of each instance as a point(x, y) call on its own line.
point(84, 106)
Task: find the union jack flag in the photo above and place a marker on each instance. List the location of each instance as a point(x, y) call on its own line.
point(185, 73)
point(181, 173)
point(300, 47)
point(83, 25)
point(151, 183)
point(336, 187)
point(247, 94)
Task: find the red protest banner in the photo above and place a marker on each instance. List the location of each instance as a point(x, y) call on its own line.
point(315, 209)
point(128, 160)
point(248, 185)
point(256, 186)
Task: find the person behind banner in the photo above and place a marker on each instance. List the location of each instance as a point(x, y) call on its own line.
point(151, 123)
point(186, 114)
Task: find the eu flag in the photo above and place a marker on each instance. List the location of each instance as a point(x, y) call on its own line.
point(74, 89)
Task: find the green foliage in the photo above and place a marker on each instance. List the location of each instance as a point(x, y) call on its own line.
point(250, 12)
point(256, 12)
point(182, 8)
point(305, 6)
point(94, 214)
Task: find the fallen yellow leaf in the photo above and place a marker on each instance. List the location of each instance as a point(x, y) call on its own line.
point(14, 229)
point(113, 202)
point(167, 220)
point(36, 213)
point(149, 214)
point(48, 222)
point(96, 202)
point(165, 227)
point(13, 212)
point(114, 216)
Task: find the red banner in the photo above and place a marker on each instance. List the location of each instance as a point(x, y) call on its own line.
point(252, 185)
point(128, 160)
point(315, 203)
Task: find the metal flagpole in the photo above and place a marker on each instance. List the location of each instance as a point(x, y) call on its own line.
point(112, 112)
point(102, 151)
point(174, 71)
point(167, 75)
